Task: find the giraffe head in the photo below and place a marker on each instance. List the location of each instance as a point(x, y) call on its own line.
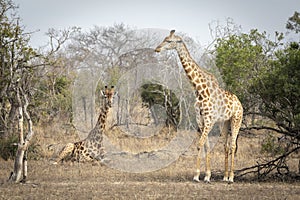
point(108, 95)
point(170, 42)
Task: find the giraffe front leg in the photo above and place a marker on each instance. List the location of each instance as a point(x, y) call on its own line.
point(200, 122)
point(233, 148)
point(207, 163)
point(64, 152)
point(226, 148)
point(226, 151)
point(203, 137)
point(198, 164)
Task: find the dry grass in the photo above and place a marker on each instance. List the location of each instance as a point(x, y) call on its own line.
point(90, 181)
point(86, 181)
point(136, 144)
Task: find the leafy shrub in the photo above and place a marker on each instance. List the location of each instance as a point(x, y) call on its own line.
point(270, 145)
point(7, 148)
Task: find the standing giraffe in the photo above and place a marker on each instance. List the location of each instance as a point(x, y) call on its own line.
point(91, 147)
point(213, 105)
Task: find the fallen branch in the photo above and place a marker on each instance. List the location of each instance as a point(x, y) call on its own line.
point(262, 170)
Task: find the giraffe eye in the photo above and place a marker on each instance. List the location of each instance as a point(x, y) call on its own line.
point(168, 41)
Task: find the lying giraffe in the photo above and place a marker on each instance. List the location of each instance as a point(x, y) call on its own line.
point(91, 147)
point(213, 105)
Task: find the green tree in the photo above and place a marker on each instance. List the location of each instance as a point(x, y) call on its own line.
point(15, 54)
point(157, 94)
point(16, 85)
point(242, 59)
point(55, 75)
point(21, 74)
point(293, 23)
point(280, 90)
point(265, 75)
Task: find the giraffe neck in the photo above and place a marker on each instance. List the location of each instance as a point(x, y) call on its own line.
point(197, 76)
point(101, 122)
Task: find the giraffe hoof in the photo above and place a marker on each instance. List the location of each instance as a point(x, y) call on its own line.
point(206, 180)
point(225, 179)
point(196, 179)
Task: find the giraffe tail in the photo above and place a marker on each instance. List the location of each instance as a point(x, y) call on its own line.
point(236, 144)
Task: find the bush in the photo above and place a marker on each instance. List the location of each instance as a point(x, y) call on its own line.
point(7, 148)
point(271, 146)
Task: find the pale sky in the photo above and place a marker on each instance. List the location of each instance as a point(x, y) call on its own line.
point(188, 16)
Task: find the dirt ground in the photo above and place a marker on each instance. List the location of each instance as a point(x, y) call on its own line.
point(94, 181)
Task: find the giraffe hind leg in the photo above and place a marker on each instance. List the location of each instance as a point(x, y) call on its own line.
point(67, 150)
point(225, 133)
point(235, 127)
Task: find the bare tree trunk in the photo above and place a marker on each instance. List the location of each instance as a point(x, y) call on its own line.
point(13, 113)
point(20, 165)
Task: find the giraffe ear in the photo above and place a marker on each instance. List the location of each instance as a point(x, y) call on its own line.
point(102, 93)
point(172, 32)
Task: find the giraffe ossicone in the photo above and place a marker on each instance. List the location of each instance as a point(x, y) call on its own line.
point(213, 105)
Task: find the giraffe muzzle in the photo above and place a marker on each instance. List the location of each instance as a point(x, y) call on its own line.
point(158, 49)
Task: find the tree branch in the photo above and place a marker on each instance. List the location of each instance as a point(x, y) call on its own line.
point(268, 165)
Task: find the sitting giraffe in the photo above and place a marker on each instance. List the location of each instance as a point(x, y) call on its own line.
point(91, 147)
point(213, 105)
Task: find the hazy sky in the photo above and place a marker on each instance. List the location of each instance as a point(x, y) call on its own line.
point(189, 16)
